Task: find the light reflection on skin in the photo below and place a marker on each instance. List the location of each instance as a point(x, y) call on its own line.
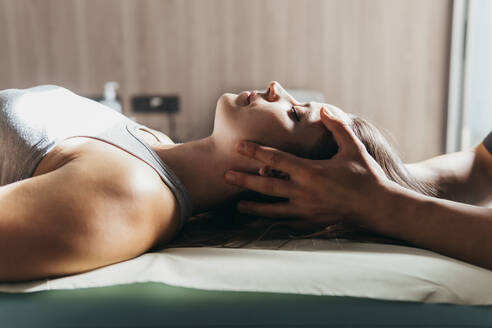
point(267, 118)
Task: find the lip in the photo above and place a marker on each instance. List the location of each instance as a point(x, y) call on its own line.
point(242, 98)
point(251, 95)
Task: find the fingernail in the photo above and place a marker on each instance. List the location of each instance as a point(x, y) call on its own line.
point(325, 111)
point(230, 176)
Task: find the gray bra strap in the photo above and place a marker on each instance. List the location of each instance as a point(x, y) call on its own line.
point(167, 175)
point(124, 136)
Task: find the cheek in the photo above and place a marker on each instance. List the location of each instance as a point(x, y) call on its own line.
point(269, 129)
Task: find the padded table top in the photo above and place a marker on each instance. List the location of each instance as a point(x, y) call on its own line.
point(308, 283)
point(307, 267)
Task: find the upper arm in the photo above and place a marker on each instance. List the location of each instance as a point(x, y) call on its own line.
point(464, 176)
point(86, 214)
point(482, 175)
point(484, 158)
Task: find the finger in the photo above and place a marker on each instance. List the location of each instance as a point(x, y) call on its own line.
point(274, 158)
point(269, 210)
point(264, 185)
point(345, 138)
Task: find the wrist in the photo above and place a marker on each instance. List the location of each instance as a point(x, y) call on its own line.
point(380, 207)
point(395, 212)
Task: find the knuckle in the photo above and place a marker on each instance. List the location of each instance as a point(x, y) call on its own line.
point(304, 168)
point(274, 159)
point(311, 172)
point(307, 176)
point(317, 170)
point(251, 149)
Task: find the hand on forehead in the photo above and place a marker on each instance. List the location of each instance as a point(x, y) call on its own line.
point(332, 110)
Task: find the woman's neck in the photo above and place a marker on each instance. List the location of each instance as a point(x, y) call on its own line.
point(201, 165)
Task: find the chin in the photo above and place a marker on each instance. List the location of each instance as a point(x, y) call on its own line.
point(224, 113)
point(227, 102)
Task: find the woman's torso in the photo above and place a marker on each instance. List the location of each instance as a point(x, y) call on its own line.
point(41, 127)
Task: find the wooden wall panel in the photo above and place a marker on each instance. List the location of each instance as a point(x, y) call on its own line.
point(102, 40)
point(7, 45)
point(386, 60)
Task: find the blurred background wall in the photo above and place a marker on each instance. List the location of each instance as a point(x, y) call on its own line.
point(386, 60)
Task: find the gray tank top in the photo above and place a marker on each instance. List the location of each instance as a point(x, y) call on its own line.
point(33, 121)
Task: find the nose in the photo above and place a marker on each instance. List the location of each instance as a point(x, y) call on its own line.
point(275, 92)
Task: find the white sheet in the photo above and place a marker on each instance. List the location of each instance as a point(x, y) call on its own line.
point(316, 267)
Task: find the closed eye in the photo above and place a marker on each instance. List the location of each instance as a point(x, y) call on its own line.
point(293, 111)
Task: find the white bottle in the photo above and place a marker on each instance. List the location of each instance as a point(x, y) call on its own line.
point(110, 99)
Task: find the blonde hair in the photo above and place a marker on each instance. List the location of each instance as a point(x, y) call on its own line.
point(228, 228)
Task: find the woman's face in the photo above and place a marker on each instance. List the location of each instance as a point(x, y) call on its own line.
point(273, 118)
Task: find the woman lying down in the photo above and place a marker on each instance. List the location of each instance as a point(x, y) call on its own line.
point(83, 186)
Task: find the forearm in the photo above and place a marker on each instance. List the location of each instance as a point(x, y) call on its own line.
point(453, 229)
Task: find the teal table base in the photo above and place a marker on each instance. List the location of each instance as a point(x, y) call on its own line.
point(160, 305)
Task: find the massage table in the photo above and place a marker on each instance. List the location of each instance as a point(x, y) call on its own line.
point(302, 283)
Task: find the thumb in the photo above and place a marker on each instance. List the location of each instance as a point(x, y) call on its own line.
point(345, 138)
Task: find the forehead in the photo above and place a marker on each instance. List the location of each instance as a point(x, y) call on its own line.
point(334, 110)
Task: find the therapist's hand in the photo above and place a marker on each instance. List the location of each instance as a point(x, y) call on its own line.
point(344, 187)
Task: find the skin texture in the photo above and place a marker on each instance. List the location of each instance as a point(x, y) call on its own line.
point(324, 190)
point(90, 204)
point(310, 181)
point(265, 119)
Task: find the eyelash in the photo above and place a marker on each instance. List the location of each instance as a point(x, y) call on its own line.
point(294, 113)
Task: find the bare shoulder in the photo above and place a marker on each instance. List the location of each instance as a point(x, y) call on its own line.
point(100, 206)
point(118, 178)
